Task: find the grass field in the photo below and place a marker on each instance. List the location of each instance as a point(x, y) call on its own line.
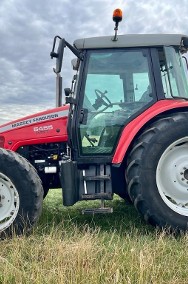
point(68, 247)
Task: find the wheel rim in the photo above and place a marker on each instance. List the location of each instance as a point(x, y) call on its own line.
point(9, 202)
point(172, 176)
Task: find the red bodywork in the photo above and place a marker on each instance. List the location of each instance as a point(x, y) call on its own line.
point(51, 126)
point(136, 124)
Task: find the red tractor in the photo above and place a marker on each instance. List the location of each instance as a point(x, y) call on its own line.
point(123, 130)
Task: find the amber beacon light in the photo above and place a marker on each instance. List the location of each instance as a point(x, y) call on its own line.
point(117, 17)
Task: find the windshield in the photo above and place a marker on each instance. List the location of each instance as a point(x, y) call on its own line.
point(174, 77)
point(118, 84)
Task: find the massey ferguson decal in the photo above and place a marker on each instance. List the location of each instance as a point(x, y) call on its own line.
point(34, 120)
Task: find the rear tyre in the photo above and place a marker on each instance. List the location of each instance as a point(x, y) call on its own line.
point(157, 173)
point(21, 194)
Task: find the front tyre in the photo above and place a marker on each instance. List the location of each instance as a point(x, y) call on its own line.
point(21, 194)
point(157, 173)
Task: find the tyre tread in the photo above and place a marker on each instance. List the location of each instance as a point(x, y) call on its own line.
point(135, 163)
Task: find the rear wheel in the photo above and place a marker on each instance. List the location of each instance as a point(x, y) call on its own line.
point(21, 194)
point(157, 173)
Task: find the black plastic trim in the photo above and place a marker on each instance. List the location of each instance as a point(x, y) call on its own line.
point(157, 74)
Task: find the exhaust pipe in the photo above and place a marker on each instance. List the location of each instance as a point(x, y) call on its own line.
point(59, 82)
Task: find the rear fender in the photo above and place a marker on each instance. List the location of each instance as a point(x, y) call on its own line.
point(136, 125)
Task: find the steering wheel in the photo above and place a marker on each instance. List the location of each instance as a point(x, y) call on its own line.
point(101, 99)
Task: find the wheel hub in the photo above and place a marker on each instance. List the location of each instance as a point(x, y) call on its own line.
point(180, 174)
point(186, 175)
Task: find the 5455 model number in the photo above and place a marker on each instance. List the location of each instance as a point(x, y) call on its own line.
point(44, 128)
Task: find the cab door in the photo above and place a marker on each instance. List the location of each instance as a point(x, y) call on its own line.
point(118, 84)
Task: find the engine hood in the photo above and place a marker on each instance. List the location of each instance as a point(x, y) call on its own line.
point(43, 127)
point(44, 116)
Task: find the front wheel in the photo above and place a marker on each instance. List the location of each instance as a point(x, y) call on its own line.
point(158, 173)
point(21, 194)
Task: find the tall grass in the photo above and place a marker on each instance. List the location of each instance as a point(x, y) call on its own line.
point(67, 247)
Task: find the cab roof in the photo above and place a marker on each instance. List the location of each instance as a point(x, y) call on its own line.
point(130, 40)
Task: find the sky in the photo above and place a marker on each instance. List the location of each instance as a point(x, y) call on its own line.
point(27, 29)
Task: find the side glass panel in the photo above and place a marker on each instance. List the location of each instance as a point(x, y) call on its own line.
point(174, 77)
point(118, 84)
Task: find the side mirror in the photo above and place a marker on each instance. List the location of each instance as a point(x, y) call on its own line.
point(59, 54)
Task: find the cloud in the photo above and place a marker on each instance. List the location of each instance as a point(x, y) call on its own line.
point(157, 16)
point(27, 29)
point(19, 110)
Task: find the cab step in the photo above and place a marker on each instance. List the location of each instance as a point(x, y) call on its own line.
point(100, 210)
point(100, 195)
point(97, 210)
point(97, 178)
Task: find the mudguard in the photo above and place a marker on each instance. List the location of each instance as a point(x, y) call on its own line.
point(131, 130)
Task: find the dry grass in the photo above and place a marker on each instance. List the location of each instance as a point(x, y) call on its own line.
point(69, 248)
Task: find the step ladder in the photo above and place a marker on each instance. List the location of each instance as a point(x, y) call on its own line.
point(102, 178)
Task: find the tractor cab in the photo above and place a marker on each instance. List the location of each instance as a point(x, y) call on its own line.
point(118, 79)
point(118, 84)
